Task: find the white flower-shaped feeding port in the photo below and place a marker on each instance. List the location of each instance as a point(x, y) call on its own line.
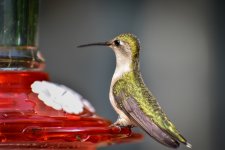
point(60, 97)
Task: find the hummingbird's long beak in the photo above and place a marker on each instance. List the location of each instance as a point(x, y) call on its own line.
point(96, 44)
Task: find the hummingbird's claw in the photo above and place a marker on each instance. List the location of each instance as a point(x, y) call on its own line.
point(131, 126)
point(115, 127)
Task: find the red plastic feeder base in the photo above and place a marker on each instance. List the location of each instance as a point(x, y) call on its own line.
point(26, 122)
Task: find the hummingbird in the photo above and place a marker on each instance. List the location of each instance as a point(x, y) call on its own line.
point(130, 97)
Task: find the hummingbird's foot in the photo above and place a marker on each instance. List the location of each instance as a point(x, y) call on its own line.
point(120, 126)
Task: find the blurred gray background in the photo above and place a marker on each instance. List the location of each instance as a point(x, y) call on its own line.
point(182, 58)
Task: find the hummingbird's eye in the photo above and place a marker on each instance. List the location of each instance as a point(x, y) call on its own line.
point(117, 42)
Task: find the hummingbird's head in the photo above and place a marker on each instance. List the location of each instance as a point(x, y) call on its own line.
point(126, 44)
point(126, 47)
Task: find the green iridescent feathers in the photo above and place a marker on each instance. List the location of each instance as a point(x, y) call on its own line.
point(132, 85)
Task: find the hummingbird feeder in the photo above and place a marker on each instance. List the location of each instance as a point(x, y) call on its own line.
point(27, 119)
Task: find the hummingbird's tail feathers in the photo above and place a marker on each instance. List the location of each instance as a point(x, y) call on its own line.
point(188, 145)
point(130, 108)
point(177, 136)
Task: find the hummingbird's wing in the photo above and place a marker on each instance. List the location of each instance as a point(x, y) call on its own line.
point(130, 107)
